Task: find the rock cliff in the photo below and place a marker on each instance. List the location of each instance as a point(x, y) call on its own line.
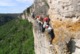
point(65, 20)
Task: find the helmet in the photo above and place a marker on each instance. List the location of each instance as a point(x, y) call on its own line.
point(45, 19)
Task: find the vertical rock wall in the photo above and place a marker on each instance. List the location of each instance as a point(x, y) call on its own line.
point(59, 9)
point(40, 7)
point(23, 16)
point(65, 8)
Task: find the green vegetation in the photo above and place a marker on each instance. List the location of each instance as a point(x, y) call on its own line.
point(16, 37)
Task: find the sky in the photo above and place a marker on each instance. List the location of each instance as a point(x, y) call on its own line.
point(14, 6)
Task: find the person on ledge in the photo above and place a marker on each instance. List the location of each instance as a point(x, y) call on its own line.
point(50, 32)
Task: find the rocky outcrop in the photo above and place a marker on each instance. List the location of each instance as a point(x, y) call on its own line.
point(65, 20)
point(76, 46)
point(40, 7)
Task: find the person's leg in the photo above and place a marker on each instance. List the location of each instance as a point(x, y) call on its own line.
point(39, 24)
point(51, 41)
point(51, 35)
point(42, 28)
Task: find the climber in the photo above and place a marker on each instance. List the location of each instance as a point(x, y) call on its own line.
point(46, 21)
point(50, 32)
point(40, 23)
point(38, 19)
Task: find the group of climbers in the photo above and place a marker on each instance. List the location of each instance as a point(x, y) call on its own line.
point(44, 25)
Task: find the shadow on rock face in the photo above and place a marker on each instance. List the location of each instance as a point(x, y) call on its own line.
point(71, 46)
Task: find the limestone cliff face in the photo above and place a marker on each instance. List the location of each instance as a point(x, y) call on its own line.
point(65, 20)
point(40, 7)
point(65, 8)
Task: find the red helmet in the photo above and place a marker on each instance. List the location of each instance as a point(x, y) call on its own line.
point(46, 19)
